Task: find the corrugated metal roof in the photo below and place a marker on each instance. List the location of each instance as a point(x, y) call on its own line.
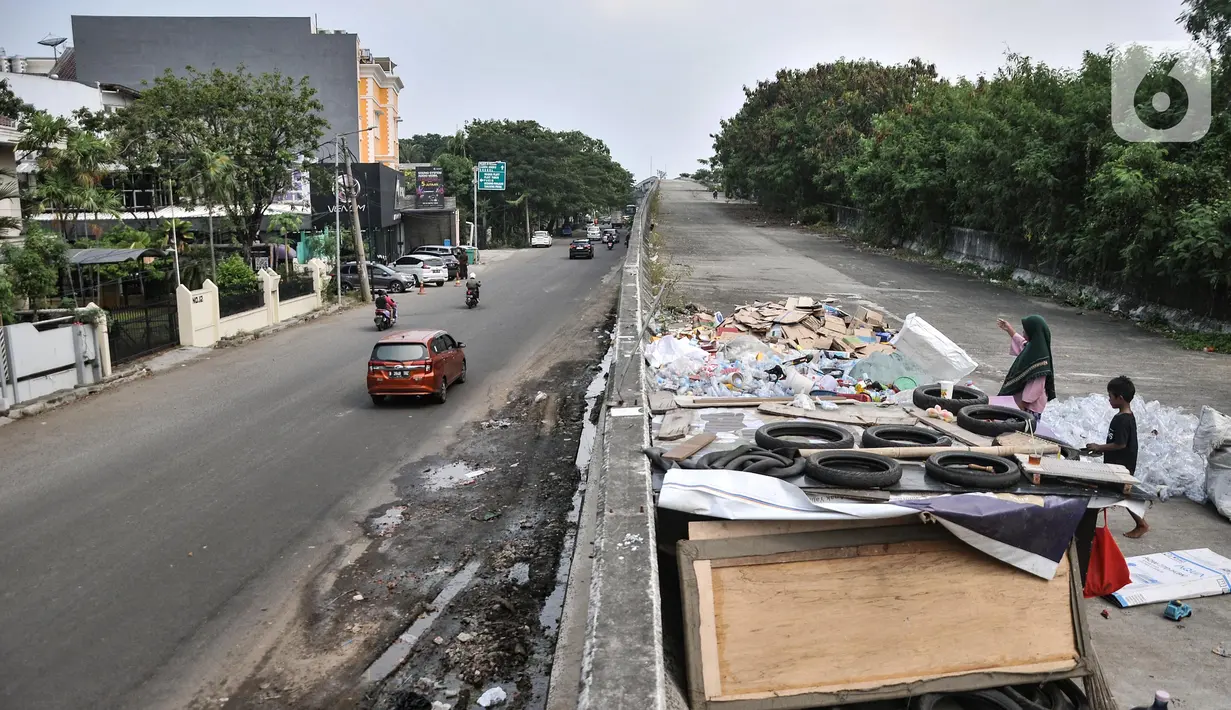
point(79, 257)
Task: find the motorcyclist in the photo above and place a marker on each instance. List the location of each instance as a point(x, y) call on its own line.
point(385, 302)
point(473, 283)
point(715, 194)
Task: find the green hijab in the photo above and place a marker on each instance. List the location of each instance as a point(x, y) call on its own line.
point(1033, 361)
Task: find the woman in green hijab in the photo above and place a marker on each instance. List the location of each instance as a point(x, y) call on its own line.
point(1031, 380)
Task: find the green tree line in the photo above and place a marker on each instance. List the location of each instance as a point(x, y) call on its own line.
point(1029, 153)
point(554, 174)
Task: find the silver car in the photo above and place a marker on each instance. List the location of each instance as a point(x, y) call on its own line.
point(423, 268)
point(379, 276)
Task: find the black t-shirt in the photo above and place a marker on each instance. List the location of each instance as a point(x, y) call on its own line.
point(1123, 430)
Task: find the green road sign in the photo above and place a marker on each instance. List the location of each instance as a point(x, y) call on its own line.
point(491, 175)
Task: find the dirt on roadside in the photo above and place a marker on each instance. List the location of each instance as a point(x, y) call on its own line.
point(500, 497)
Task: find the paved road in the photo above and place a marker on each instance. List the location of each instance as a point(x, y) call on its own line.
point(736, 261)
point(132, 520)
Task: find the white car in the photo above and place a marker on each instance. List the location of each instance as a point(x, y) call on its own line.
point(425, 268)
point(593, 232)
point(540, 239)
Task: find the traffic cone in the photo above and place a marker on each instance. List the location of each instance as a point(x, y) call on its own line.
point(422, 290)
point(457, 281)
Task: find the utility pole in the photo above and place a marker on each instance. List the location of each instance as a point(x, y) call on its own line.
point(361, 259)
point(474, 183)
point(337, 219)
point(175, 245)
point(527, 218)
point(213, 262)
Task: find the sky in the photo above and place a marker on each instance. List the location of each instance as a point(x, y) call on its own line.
point(651, 78)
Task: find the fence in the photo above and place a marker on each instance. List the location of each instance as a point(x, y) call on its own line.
point(295, 287)
point(135, 331)
point(35, 362)
point(206, 316)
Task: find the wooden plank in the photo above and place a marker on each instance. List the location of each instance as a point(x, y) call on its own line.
point(922, 452)
point(1093, 472)
point(685, 449)
point(687, 402)
point(949, 428)
point(724, 529)
point(935, 608)
point(850, 415)
point(708, 634)
point(675, 425)
point(662, 402)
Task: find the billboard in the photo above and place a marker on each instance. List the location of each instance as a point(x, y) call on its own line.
point(429, 188)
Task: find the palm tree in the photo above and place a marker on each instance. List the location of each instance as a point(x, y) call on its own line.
point(209, 177)
point(8, 191)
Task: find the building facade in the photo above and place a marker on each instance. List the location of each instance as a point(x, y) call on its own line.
point(379, 88)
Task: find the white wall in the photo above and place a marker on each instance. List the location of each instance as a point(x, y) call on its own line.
point(199, 321)
point(55, 96)
point(42, 362)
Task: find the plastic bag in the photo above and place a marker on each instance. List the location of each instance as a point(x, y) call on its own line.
point(803, 401)
point(1213, 440)
point(937, 357)
point(746, 346)
point(1108, 570)
point(665, 351)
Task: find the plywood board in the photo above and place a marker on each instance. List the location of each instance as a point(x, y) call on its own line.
point(1093, 472)
point(954, 618)
point(675, 425)
point(661, 402)
point(847, 415)
point(686, 448)
point(723, 529)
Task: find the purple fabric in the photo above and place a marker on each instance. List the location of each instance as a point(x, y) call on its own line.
point(1044, 530)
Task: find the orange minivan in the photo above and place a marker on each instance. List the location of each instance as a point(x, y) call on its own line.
point(415, 362)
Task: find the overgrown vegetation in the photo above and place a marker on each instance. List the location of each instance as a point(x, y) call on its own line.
point(1029, 153)
point(32, 270)
point(234, 276)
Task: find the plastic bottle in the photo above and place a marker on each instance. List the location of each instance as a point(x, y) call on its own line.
point(1161, 701)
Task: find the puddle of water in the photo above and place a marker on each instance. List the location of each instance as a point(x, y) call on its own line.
point(401, 648)
point(451, 475)
point(384, 525)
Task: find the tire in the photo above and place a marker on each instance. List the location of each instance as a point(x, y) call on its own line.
point(887, 435)
point(990, 420)
point(775, 464)
point(462, 377)
point(346, 287)
point(853, 469)
point(951, 467)
point(928, 396)
point(442, 395)
point(831, 436)
point(378, 399)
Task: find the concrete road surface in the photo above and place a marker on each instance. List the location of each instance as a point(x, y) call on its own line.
point(134, 521)
point(734, 258)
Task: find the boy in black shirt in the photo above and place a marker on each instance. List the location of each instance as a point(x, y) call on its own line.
point(1121, 446)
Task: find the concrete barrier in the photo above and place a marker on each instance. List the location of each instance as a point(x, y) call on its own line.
point(52, 357)
point(201, 325)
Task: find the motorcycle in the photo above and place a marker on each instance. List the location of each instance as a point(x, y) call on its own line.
point(472, 297)
point(384, 319)
point(610, 244)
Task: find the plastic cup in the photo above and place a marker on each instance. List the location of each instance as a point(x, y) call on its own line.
point(946, 389)
point(1035, 459)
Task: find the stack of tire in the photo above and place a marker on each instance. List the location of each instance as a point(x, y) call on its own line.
point(973, 412)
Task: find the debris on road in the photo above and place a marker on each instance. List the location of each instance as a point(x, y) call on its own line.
point(496, 424)
point(492, 697)
point(465, 637)
point(358, 597)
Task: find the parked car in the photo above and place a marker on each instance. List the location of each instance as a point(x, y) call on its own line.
point(581, 249)
point(445, 253)
point(379, 276)
point(540, 239)
point(415, 363)
point(425, 268)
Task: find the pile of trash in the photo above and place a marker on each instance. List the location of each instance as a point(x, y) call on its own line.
point(1166, 461)
point(801, 346)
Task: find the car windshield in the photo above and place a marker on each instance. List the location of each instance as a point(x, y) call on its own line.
point(399, 352)
point(433, 261)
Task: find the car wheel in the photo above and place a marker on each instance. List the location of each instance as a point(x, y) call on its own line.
point(398, 286)
point(378, 399)
point(442, 395)
point(346, 287)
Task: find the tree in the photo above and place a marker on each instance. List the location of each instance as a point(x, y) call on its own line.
point(35, 266)
point(252, 129)
point(1209, 22)
point(72, 161)
point(421, 148)
point(8, 191)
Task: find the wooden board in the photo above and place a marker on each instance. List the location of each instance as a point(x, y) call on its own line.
point(675, 425)
point(724, 529)
point(687, 402)
point(1093, 472)
point(662, 402)
point(860, 415)
point(685, 449)
point(901, 611)
point(949, 428)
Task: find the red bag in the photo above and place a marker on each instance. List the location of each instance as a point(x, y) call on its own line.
point(1108, 572)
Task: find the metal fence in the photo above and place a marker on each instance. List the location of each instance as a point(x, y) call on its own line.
point(136, 331)
point(231, 303)
point(294, 288)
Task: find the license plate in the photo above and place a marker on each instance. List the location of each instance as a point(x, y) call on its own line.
point(399, 374)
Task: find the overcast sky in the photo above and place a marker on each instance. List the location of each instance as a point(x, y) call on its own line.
point(651, 78)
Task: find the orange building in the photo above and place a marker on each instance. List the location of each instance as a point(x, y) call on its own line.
point(379, 87)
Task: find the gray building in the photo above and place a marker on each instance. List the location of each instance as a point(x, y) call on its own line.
point(133, 50)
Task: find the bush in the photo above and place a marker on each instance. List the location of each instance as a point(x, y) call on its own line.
point(234, 276)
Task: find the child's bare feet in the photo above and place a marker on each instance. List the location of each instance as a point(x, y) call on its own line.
point(1139, 531)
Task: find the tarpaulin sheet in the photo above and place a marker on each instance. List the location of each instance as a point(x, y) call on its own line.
point(1032, 538)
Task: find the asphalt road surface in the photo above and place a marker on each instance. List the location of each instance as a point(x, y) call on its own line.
point(136, 520)
point(735, 257)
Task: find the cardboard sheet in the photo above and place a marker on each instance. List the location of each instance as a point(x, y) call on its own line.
point(1184, 574)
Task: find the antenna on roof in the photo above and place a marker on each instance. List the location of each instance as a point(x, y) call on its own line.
point(54, 43)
